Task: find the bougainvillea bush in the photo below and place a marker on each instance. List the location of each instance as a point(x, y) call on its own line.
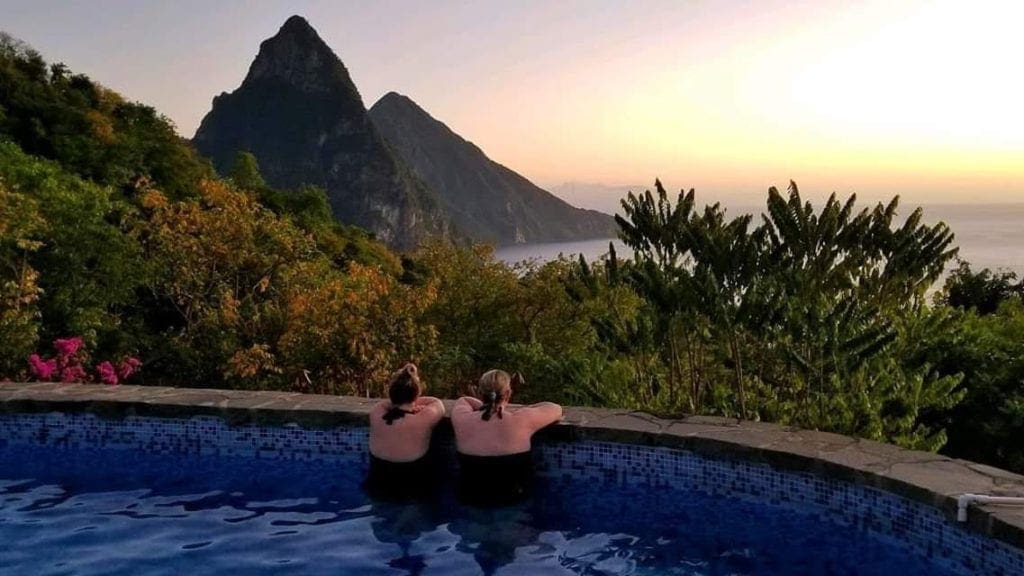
point(71, 364)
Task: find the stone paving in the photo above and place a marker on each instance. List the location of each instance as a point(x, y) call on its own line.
point(922, 476)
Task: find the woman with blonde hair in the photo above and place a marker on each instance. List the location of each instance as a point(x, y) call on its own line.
point(493, 440)
point(400, 431)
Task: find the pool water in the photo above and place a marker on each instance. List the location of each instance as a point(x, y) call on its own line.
point(105, 511)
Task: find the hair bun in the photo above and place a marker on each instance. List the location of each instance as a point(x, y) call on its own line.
point(410, 368)
point(517, 379)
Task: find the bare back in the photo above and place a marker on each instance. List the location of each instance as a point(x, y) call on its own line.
point(509, 434)
point(406, 438)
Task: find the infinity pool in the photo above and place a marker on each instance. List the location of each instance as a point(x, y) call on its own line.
point(88, 510)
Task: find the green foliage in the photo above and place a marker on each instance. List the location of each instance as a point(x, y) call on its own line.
point(68, 233)
point(983, 292)
point(245, 172)
point(91, 131)
point(250, 300)
point(794, 320)
point(533, 317)
point(987, 350)
point(199, 278)
point(344, 244)
point(308, 207)
point(474, 309)
point(20, 227)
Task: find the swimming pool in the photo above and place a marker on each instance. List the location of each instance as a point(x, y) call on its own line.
point(81, 494)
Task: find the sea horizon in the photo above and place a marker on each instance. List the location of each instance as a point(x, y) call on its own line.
point(988, 235)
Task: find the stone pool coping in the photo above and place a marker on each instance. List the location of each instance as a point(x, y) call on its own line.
point(925, 477)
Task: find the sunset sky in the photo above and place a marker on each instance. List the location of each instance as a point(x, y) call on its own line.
point(922, 99)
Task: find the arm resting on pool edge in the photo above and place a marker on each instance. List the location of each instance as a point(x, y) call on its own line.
point(541, 414)
point(432, 406)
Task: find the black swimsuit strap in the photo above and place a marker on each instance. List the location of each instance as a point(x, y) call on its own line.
point(395, 413)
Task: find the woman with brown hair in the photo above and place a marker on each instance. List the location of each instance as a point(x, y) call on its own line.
point(400, 430)
point(493, 440)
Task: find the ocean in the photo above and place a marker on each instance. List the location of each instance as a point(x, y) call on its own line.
point(988, 235)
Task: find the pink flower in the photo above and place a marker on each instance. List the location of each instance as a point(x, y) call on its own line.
point(128, 366)
point(43, 370)
point(107, 373)
point(67, 347)
point(73, 373)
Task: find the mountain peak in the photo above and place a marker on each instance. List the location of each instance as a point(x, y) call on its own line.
point(393, 97)
point(297, 25)
point(300, 114)
point(297, 56)
point(396, 103)
point(486, 200)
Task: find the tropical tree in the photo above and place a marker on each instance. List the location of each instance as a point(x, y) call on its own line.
point(796, 317)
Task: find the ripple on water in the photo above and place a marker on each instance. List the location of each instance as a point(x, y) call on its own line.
point(96, 512)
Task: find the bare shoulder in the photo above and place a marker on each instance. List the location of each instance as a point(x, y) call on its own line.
point(463, 405)
point(432, 403)
point(432, 406)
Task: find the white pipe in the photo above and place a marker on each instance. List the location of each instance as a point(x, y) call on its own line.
point(965, 500)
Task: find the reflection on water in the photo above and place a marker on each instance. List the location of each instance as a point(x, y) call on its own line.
point(103, 512)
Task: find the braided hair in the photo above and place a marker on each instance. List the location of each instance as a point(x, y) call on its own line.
point(495, 388)
point(405, 388)
point(490, 405)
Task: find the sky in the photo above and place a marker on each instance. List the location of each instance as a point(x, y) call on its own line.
point(921, 99)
